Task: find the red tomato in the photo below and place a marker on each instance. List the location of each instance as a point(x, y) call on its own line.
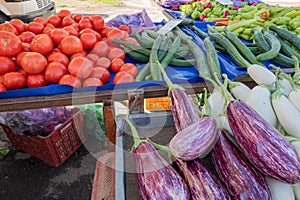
point(54, 71)
point(40, 20)
point(132, 40)
point(88, 40)
point(54, 20)
point(1, 78)
point(10, 44)
point(70, 45)
point(26, 36)
point(20, 57)
point(92, 57)
point(67, 21)
point(80, 54)
point(123, 77)
point(57, 35)
point(2, 88)
point(71, 80)
point(116, 53)
point(36, 80)
point(97, 22)
point(41, 43)
point(71, 30)
point(55, 50)
point(25, 46)
point(58, 57)
point(8, 27)
point(88, 30)
point(85, 23)
point(34, 62)
point(115, 33)
point(47, 30)
point(101, 73)
point(77, 17)
point(101, 49)
point(14, 80)
point(7, 65)
point(103, 31)
point(116, 64)
point(80, 67)
point(130, 68)
point(124, 28)
point(35, 27)
point(103, 62)
point(92, 82)
point(18, 24)
point(22, 71)
point(64, 13)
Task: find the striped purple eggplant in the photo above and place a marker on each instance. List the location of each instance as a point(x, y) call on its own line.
point(202, 183)
point(183, 109)
point(242, 180)
point(263, 144)
point(157, 179)
point(196, 140)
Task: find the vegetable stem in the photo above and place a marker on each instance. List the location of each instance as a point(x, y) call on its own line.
point(207, 106)
point(277, 93)
point(296, 76)
point(159, 146)
point(135, 135)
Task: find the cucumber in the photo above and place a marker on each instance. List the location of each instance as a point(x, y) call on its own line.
point(275, 45)
point(132, 46)
point(288, 50)
point(171, 51)
point(287, 35)
point(182, 62)
point(154, 68)
point(135, 55)
point(199, 32)
point(143, 41)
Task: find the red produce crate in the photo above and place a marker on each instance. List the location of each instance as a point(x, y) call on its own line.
point(58, 146)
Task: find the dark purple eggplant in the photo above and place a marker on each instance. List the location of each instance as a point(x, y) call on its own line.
point(157, 179)
point(202, 183)
point(242, 180)
point(263, 144)
point(196, 140)
point(183, 109)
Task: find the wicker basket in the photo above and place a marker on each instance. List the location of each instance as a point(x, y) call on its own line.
point(55, 148)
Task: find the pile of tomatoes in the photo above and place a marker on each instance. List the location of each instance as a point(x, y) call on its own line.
point(75, 50)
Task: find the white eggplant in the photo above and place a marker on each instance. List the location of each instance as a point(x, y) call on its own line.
point(285, 86)
point(216, 102)
point(296, 145)
point(296, 188)
point(280, 190)
point(239, 90)
point(287, 114)
point(261, 75)
point(222, 123)
point(294, 97)
point(259, 98)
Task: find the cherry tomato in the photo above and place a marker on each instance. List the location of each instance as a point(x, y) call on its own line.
point(80, 67)
point(77, 17)
point(64, 13)
point(88, 40)
point(123, 77)
point(18, 24)
point(10, 44)
point(71, 80)
point(14, 80)
point(2, 88)
point(92, 57)
point(101, 73)
point(36, 80)
point(85, 23)
point(116, 53)
point(103, 62)
point(26, 36)
point(54, 71)
point(97, 21)
point(70, 45)
point(7, 65)
point(55, 20)
point(41, 43)
point(67, 21)
point(71, 30)
point(92, 82)
point(116, 64)
point(101, 49)
point(33, 62)
point(57, 35)
point(8, 27)
point(88, 30)
point(35, 27)
point(40, 20)
point(130, 68)
point(58, 57)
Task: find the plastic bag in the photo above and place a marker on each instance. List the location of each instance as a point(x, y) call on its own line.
point(37, 121)
point(170, 3)
point(137, 22)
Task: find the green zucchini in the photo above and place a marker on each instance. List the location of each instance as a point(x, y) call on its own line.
point(288, 50)
point(230, 49)
point(212, 58)
point(132, 46)
point(182, 54)
point(254, 50)
point(171, 51)
point(199, 32)
point(136, 56)
point(182, 62)
point(287, 35)
point(275, 45)
point(243, 49)
point(284, 61)
point(143, 41)
point(154, 68)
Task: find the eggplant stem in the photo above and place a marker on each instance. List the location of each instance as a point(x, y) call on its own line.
point(291, 139)
point(159, 146)
point(228, 97)
point(277, 93)
point(137, 140)
point(296, 75)
point(207, 106)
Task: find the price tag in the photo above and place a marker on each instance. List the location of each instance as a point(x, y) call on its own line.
point(169, 26)
point(225, 2)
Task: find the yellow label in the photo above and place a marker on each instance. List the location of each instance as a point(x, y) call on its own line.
point(157, 104)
